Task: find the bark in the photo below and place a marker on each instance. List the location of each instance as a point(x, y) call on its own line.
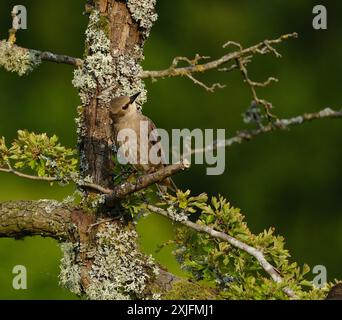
point(85, 267)
point(46, 218)
point(67, 223)
point(31, 218)
point(124, 35)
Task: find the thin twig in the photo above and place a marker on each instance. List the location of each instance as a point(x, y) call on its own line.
point(258, 255)
point(194, 67)
point(27, 176)
point(51, 57)
point(203, 85)
point(279, 124)
point(53, 179)
point(253, 85)
point(58, 58)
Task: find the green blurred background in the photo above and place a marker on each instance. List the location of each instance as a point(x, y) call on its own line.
point(289, 180)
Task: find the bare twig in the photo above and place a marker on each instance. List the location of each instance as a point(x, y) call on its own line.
point(194, 66)
point(58, 58)
point(119, 191)
point(279, 124)
point(203, 85)
point(253, 85)
point(258, 255)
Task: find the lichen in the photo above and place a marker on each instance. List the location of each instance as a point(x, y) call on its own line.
point(98, 67)
point(70, 271)
point(119, 270)
point(143, 12)
point(16, 59)
point(127, 75)
point(50, 205)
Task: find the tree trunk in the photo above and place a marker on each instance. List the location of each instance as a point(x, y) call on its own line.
point(126, 36)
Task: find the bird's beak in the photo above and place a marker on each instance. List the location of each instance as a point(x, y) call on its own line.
point(134, 97)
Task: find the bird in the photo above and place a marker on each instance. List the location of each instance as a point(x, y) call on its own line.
point(125, 114)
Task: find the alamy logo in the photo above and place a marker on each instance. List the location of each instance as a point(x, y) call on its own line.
point(19, 14)
point(155, 147)
point(321, 278)
point(20, 280)
point(320, 22)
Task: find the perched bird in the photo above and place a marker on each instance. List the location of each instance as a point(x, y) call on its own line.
point(125, 114)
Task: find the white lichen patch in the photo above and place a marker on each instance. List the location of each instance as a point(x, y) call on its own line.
point(127, 69)
point(143, 12)
point(113, 73)
point(16, 59)
point(176, 214)
point(119, 270)
point(50, 205)
point(98, 68)
point(70, 271)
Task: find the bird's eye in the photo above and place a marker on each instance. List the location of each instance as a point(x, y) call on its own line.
point(125, 107)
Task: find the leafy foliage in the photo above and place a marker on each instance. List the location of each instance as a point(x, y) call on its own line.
point(236, 273)
point(39, 153)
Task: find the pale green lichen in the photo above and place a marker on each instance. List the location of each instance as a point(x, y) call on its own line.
point(50, 205)
point(127, 75)
point(70, 271)
point(98, 68)
point(143, 12)
point(16, 59)
point(119, 270)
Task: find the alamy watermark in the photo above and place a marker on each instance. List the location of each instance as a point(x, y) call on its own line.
point(19, 15)
point(19, 281)
point(157, 147)
point(321, 278)
point(320, 21)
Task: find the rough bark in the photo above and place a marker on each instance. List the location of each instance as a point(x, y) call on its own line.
point(45, 218)
point(31, 218)
point(125, 36)
point(89, 236)
point(67, 223)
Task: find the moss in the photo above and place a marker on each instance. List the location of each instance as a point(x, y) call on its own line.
point(103, 24)
point(186, 290)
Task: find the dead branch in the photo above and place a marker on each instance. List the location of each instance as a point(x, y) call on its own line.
point(241, 55)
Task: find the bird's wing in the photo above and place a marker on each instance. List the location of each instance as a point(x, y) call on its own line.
point(154, 138)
